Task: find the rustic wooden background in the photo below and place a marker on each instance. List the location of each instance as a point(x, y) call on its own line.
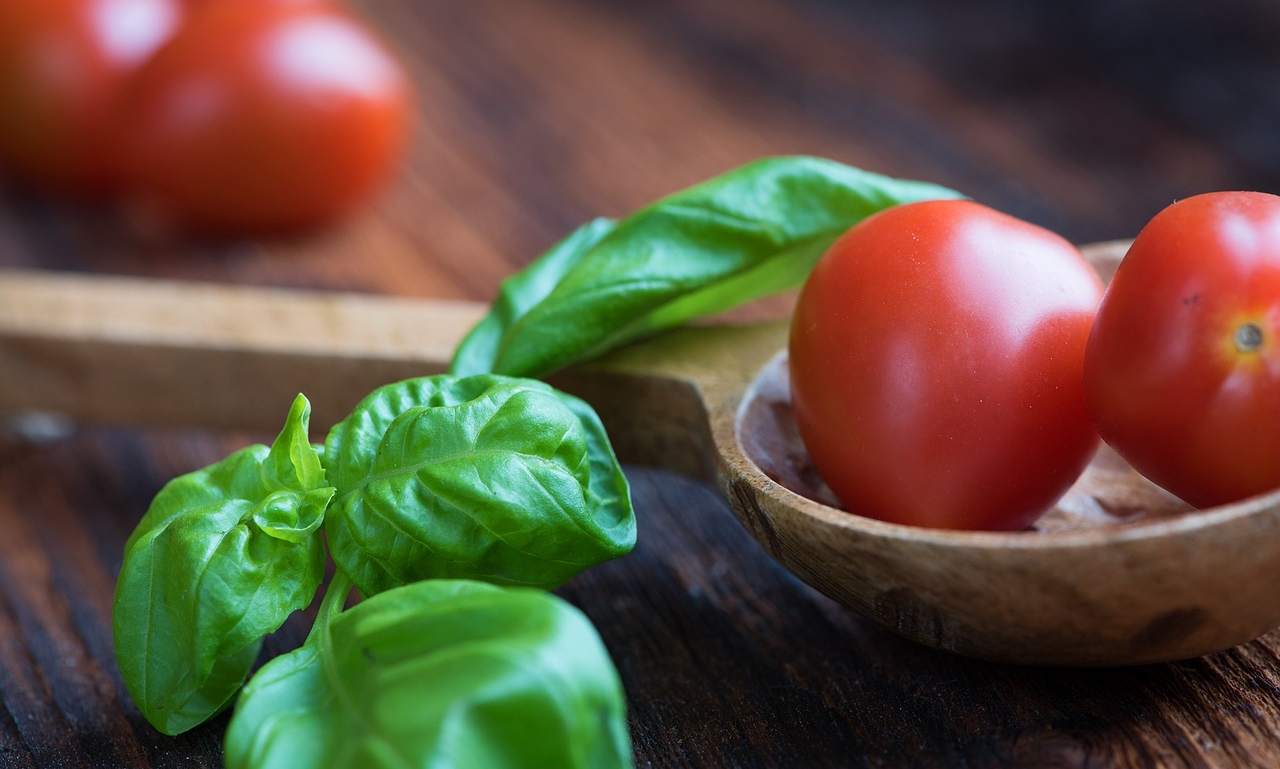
point(1085, 116)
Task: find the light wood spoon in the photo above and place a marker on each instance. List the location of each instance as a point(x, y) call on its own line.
point(1118, 573)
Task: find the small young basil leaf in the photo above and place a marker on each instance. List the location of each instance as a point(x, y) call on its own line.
point(752, 232)
point(220, 559)
point(438, 674)
point(487, 477)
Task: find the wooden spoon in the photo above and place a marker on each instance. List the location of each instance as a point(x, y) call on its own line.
point(1118, 573)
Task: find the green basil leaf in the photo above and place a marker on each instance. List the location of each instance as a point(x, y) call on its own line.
point(447, 674)
point(752, 232)
point(220, 559)
point(504, 480)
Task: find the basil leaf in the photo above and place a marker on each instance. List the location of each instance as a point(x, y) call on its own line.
point(220, 559)
point(487, 477)
point(450, 674)
point(752, 232)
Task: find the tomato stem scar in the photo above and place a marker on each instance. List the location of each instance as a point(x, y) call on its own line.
point(1248, 337)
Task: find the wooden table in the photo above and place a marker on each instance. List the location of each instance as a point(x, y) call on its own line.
point(1086, 117)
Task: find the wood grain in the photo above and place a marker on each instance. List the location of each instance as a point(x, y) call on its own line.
point(537, 114)
point(728, 660)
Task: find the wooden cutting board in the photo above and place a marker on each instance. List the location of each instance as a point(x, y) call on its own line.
point(728, 660)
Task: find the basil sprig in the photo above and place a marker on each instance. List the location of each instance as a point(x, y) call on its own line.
point(223, 556)
point(752, 232)
point(484, 477)
point(443, 673)
point(501, 479)
point(434, 481)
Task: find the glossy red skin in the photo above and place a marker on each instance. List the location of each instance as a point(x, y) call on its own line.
point(1167, 385)
point(265, 118)
point(63, 65)
point(937, 357)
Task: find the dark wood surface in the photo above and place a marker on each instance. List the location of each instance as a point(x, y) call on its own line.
point(1086, 117)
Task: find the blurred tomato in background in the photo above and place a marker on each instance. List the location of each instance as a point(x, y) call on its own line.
point(236, 117)
point(265, 118)
point(63, 66)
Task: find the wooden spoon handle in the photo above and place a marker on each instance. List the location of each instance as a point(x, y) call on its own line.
point(154, 352)
point(149, 352)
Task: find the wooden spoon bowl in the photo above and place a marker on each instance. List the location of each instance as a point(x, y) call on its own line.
point(1118, 573)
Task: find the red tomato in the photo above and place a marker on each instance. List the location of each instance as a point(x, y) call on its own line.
point(62, 66)
point(937, 366)
point(265, 117)
point(1183, 370)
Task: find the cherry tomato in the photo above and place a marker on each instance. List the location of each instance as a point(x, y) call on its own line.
point(1183, 368)
point(937, 366)
point(62, 66)
point(265, 117)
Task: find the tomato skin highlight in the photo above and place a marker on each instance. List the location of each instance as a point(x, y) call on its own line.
point(1183, 368)
point(63, 67)
point(937, 356)
point(264, 118)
